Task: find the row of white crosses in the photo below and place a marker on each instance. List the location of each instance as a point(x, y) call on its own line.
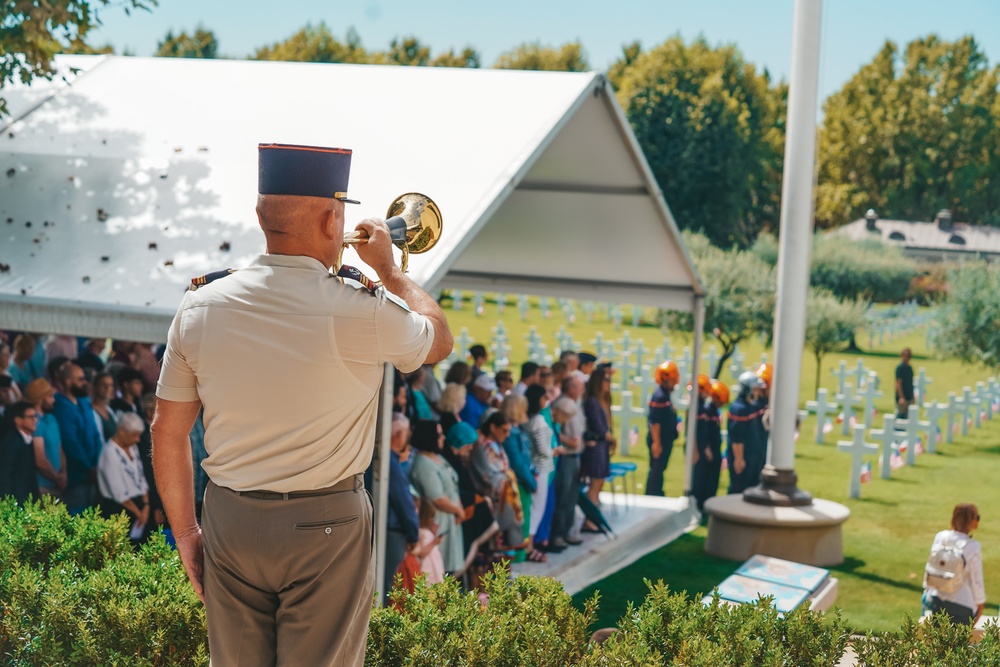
point(898, 321)
point(897, 434)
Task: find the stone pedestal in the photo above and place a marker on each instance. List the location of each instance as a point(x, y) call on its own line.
point(808, 534)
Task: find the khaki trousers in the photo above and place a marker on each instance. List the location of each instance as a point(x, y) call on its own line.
point(288, 582)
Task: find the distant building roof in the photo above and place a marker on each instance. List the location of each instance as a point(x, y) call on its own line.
point(930, 240)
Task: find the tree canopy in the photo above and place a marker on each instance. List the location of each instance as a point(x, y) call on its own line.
point(969, 320)
point(712, 128)
point(200, 44)
point(32, 33)
point(569, 57)
point(739, 295)
point(912, 133)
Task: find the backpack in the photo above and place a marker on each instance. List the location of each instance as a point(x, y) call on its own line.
point(945, 569)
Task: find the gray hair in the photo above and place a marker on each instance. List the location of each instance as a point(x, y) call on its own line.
point(565, 405)
point(129, 422)
point(452, 397)
point(399, 422)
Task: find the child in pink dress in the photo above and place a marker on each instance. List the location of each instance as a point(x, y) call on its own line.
point(431, 563)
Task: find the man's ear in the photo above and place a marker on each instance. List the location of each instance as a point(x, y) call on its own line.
point(328, 224)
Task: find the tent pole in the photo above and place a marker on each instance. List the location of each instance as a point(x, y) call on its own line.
point(691, 423)
point(380, 478)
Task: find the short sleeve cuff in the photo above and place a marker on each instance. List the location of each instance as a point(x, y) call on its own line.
point(421, 355)
point(177, 394)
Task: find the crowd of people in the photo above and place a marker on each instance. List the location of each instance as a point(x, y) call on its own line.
point(75, 425)
point(484, 468)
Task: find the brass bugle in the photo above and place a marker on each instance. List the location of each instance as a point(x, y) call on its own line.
point(414, 222)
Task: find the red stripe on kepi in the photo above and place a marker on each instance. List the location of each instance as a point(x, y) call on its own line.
point(317, 149)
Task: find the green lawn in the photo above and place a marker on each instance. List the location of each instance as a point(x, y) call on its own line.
point(889, 533)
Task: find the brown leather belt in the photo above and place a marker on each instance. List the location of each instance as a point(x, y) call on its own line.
point(352, 483)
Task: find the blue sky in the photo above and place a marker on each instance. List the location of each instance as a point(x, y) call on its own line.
point(853, 30)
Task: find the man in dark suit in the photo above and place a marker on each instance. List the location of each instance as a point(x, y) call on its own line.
point(17, 454)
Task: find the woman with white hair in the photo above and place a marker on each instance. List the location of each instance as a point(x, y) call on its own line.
point(120, 477)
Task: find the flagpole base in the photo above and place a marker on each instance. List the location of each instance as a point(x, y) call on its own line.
point(778, 488)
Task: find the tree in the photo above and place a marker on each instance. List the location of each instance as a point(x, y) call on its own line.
point(911, 134)
point(567, 58)
point(739, 295)
point(830, 324)
point(201, 44)
point(469, 58)
point(969, 320)
point(712, 129)
point(408, 51)
point(32, 33)
point(316, 44)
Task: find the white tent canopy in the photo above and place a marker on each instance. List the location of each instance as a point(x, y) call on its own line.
point(136, 174)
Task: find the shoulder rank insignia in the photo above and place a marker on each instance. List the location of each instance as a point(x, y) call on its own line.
point(201, 281)
point(353, 274)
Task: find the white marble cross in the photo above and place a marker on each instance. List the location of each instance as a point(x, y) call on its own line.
point(954, 409)
point(870, 394)
point(626, 343)
point(985, 400)
point(737, 367)
point(888, 438)
point(640, 353)
point(598, 343)
point(858, 374)
point(543, 303)
point(821, 406)
point(478, 300)
point(913, 426)
point(456, 300)
point(857, 448)
point(588, 310)
point(501, 303)
point(616, 316)
point(921, 384)
point(713, 360)
point(849, 401)
point(974, 406)
point(624, 372)
point(626, 412)
point(842, 374)
point(935, 411)
point(463, 344)
point(646, 383)
point(636, 315)
point(666, 352)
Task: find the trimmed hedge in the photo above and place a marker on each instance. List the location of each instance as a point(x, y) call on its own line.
point(73, 592)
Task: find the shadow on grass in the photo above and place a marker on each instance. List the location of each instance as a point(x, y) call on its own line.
point(878, 501)
point(853, 567)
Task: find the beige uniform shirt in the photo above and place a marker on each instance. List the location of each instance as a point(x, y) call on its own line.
point(287, 362)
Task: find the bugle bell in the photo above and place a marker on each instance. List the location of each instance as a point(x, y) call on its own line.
point(414, 222)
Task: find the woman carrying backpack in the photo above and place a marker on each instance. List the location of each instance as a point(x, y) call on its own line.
point(953, 576)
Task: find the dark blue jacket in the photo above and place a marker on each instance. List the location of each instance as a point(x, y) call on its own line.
point(81, 441)
point(662, 412)
point(518, 448)
point(402, 515)
point(744, 427)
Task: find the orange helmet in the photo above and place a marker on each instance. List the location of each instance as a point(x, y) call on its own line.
point(719, 392)
point(704, 383)
point(765, 372)
point(667, 370)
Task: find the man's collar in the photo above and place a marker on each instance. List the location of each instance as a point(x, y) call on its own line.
point(290, 262)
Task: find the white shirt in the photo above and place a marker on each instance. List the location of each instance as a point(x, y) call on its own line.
point(287, 362)
point(973, 591)
point(119, 477)
point(519, 389)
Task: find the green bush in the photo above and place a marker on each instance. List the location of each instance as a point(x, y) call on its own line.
point(74, 592)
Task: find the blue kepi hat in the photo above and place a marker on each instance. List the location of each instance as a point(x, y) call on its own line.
point(306, 171)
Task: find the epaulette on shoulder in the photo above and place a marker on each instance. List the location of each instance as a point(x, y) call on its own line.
point(352, 273)
point(201, 281)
